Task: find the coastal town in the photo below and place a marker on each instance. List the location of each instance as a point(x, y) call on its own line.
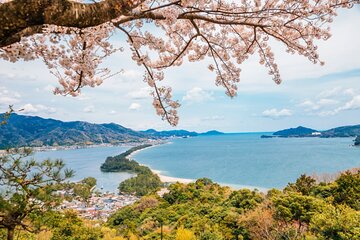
point(99, 206)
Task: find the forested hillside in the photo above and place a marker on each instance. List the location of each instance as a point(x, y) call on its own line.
point(205, 210)
point(23, 130)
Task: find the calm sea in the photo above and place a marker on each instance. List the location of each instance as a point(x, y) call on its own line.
point(234, 159)
point(248, 160)
point(86, 162)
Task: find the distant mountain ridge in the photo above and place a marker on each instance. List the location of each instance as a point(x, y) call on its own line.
point(179, 133)
point(170, 133)
point(344, 131)
point(34, 131)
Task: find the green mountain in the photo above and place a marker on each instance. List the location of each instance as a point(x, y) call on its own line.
point(295, 132)
point(211, 133)
point(344, 131)
point(36, 131)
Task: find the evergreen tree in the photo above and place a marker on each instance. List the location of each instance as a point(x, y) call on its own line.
point(27, 189)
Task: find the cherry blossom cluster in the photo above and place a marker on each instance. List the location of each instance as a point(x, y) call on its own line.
point(226, 32)
point(72, 55)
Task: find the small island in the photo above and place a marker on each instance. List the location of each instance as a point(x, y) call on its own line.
point(145, 180)
point(357, 141)
point(300, 132)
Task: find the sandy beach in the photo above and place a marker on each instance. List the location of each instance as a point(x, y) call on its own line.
point(163, 178)
point(167, 179)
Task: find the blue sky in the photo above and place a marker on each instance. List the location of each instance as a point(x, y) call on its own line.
point(319, 97)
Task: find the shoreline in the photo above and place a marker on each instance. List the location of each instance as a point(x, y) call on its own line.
point(163, 178)
point(169, 179)
point(46, 148)
point(131, 155)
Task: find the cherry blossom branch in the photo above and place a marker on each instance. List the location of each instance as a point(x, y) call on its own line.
point(226, 32)
point(161, 95)
point(18, 15)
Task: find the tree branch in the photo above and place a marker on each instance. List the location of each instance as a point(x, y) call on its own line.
point(20, 18)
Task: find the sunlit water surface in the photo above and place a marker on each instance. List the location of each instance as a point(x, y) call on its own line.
point(233, 159)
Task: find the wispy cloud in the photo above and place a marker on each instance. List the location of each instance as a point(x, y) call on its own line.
point(38, 108)
point(318, 104)
point(197, 94)
point(353, 104)
point(134, 106)
point(89, 109)
point(141, 93)
point(213, 118)
point(333, 101)
point(8, 97)
point(276, 114)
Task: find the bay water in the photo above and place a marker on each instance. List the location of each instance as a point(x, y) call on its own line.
point(237, 160)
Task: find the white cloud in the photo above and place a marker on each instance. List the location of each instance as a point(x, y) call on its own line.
point(89, 109)
point(337, 91)
point(82, 97)
point(349, 91)
point(134, 106)
point(213, 118)
point(49, 88)
point(197, 94)
point(331, 92)
point(275, 114)
point(112, 112)
point(31, 109)
point(306, 103)
point(321, 103)
point(5, 100)
point(327, 113)
point(130, 75)
point(327, 102)
point(7, 97)
point(353, 104)
point(141, 93)
point(334, 101)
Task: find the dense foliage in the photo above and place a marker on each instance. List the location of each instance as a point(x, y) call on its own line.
point(27, 189)
point(84, 189)
point(62, 226)
point(205, 210)
point(143, 183)
point(121, 162)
